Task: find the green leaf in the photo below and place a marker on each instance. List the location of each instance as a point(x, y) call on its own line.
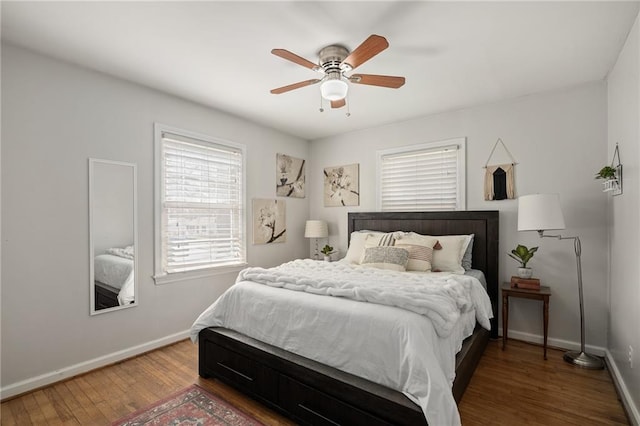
point(522, 254)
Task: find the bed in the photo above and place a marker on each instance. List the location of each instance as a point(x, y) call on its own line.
point(114, 277)
point(312, 392)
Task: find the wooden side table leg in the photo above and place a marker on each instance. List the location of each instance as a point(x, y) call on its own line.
point(505, 319)
point(546, 324)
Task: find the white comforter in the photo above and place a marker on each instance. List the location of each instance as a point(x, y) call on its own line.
point(380, 341)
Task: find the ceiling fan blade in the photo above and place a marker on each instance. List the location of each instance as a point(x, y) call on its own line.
point(294, 86)
point(378, 80)
point(285, 54)
point(339, 103)
point(367, 50)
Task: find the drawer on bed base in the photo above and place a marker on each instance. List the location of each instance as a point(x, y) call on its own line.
point(313, 407)
point(245, 373)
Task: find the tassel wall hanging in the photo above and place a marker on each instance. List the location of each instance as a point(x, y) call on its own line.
point(499, 181)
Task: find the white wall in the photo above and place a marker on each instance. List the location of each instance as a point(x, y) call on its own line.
point(558, 139)
point(54, 117)
point(624, 216)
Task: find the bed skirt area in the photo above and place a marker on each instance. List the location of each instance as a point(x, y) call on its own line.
point(313, 393)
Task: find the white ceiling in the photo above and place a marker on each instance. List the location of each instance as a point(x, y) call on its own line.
point(453, 54)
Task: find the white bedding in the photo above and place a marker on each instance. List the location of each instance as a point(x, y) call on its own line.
point(118, 272)
point(386, 344)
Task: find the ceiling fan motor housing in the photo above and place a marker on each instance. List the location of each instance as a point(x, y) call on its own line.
point(331, 57)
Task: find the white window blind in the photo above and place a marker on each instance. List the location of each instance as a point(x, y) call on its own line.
point(202, 204)
point(424, 177)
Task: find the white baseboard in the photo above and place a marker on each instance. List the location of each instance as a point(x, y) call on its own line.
point(83, 367)
point(556, 343)
point(623, 391)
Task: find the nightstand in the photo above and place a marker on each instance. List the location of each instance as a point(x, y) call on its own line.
point(543, 294)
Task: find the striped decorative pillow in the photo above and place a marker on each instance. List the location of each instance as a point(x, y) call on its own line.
point(420, 256)
point(378, 240)
point(423, 260)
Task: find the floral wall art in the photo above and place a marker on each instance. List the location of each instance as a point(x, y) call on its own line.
point(269, 221)
point(342, 186)
point(290, 176)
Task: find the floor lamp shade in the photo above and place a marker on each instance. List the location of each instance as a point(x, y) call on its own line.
point(316, 229)
point(539, 212)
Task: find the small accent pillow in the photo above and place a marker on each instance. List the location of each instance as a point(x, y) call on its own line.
point(386, 257)
point(420, 256)
point(378, 239)
point(420, 249)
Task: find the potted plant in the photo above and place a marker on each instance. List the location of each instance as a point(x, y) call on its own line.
point(327, 251)
point(609, 174)
point(523, 255)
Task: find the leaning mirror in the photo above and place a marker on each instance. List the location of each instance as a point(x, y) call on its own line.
point(112, 235)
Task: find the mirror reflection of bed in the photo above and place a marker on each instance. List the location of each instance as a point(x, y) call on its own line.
point(112, 213)
point(114, 277)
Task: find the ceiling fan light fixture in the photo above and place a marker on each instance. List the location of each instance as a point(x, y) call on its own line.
point(334, 89)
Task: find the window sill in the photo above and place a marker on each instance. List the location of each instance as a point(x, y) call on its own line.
point(200, 273)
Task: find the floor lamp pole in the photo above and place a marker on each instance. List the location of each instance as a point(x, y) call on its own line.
point(581, 358)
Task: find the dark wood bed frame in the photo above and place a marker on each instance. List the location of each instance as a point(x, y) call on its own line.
point(316, 394)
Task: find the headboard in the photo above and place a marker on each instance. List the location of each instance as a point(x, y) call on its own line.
point(484, 224)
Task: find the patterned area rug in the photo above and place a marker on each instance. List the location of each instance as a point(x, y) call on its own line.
point(190, 406)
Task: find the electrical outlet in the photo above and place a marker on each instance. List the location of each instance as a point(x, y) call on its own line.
point(630, 356)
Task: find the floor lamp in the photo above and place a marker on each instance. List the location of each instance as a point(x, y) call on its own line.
point(541, 212)
point(316, 229)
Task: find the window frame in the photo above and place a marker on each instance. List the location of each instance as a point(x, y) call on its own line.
point(161, 277)
point(461, 142)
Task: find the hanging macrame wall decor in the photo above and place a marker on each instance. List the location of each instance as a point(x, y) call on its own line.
point(499, 182)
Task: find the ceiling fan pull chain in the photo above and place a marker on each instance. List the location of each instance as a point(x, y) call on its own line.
point(348, 114)
point(321, 109)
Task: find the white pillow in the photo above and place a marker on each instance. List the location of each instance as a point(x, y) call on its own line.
point(356, 245)
point(449, 258)
point(386, 257)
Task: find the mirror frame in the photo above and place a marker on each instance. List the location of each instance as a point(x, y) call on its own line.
point(92, 194)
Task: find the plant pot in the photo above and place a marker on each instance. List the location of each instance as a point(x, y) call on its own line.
point(610, 185)
point(525, 273)
point(327, 258)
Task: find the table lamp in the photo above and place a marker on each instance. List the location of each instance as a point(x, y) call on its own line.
point(316, 229)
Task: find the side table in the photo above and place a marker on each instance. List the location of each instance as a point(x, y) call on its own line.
point(543, 294)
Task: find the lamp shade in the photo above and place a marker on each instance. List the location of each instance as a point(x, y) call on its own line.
point(334, 89)
point(538, 212)
point(316, 229)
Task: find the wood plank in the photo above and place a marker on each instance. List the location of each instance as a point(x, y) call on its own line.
point(95, 415)
point(515, 386)
point(63, 414)
point(63, 394)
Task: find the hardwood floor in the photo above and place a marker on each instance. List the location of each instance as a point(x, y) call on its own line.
point(509, 388)
point(517, 386)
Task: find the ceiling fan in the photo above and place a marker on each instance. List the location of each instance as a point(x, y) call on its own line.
point(335, 61)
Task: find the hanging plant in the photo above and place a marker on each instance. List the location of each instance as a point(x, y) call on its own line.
point(607, 173)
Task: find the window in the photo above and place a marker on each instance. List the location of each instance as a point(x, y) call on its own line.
point(422, 177)
point(199, 203)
